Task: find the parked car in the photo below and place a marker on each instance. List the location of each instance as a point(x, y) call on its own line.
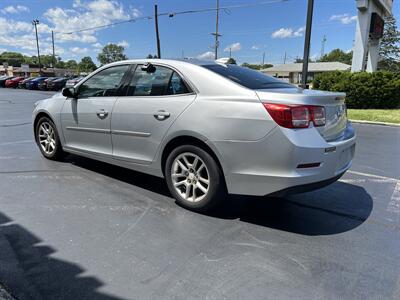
point(43, 84)
point(22, 84)
point(57, 84)
point(71, 82)
point(208, 128)
point(3, 80)
point(34, 83)
point(13, 82)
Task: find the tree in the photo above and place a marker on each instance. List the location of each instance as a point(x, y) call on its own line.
point(256, 66)
point(111, 53)
point(87, 65)
point(389, 51)
point(231, 61)
point(12, 58)
point(71, 64)
point(337, 55)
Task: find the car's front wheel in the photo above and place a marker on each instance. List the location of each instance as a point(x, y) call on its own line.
point(48, 140)
point(194, 178)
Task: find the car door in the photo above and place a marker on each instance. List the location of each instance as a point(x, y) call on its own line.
point(85, 120)
point(156, 95)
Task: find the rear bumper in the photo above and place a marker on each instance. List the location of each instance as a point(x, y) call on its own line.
point(270, 166)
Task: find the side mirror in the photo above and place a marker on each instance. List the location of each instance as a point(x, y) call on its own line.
point(149, 68)
point(69, 92)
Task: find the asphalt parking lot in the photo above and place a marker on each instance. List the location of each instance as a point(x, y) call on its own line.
point(82, 229)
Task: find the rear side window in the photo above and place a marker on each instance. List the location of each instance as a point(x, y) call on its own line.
point(246, 77)
point(161, 81)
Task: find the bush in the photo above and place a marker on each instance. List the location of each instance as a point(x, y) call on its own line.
point(363, 90)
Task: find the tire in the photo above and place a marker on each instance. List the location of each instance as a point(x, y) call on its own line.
point(52, 141)
point(183, 172)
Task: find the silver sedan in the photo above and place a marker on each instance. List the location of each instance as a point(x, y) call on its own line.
point(208, 128)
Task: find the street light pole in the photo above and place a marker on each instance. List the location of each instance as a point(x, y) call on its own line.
point(35, 23)
point(217, 35)
point(157, 32)
point(307, 41)
point(54, 54)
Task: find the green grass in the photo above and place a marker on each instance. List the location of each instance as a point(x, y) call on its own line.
point(375, 115)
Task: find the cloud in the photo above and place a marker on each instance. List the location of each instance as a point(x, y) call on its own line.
point(233, 47)
point(86, 14)
point(284, 33)
point(344, 18)
point(21, 35)
point(206, 56)
point(77, 50)
point(124, 44)
point(14, 9)
point(79, 15)
point(136, 13)
point(97, 45)
point(255, 47)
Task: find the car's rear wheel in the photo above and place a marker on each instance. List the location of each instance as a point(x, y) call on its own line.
point(194, 178)
point(48, 140)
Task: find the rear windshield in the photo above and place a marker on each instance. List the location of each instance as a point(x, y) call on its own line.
point(249, 78)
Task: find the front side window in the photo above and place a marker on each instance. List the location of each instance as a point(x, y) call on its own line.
point(248, 78)
point(104, 83)
point(158, 81)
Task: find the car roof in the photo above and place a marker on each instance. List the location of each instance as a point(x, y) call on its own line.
point(173, 62)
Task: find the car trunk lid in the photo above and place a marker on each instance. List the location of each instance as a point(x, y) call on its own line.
point(334, 104)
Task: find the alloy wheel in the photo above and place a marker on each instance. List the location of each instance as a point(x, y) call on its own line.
point(46, 137)
point(190, 177)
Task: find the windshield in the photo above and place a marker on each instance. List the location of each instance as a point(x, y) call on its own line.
point(249, 78)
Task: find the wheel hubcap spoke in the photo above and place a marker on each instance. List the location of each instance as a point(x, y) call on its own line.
point(190, 177)
point(46, 138)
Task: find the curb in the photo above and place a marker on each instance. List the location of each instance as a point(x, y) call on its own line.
point(375, 123)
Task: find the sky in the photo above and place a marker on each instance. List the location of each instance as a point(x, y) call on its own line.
point(272, 27)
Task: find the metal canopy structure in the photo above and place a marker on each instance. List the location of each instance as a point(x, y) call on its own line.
point(366, 43)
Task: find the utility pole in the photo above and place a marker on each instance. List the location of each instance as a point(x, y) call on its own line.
point(284, 59)
point(157, 32)
point(216, 34)
point(323, 46)
point(307, 41)
point(263, 60)
point(54, 54)
point(35, 23)
point(230, 52)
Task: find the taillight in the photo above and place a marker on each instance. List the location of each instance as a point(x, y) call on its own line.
point(296, 116)
point(317, 115)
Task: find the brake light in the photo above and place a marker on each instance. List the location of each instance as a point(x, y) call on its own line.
point(296, 116)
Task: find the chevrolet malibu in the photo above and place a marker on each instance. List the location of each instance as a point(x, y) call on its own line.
point(208, 128)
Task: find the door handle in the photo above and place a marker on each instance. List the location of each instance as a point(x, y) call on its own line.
point(102, 114)
point(162, 115)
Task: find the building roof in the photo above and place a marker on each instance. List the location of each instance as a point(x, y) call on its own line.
point(312, 67)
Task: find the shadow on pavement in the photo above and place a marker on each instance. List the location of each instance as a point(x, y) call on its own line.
point(337, 208)
point(29, 271)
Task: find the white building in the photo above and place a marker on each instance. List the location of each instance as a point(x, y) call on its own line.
point(292, 72)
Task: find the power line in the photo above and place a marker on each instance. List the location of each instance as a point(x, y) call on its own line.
point(172, 14)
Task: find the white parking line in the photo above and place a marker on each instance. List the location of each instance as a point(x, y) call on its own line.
point(394, 204)
point(373, 176)
point(16, 142)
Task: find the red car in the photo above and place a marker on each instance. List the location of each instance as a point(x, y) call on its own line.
point(13, 82)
